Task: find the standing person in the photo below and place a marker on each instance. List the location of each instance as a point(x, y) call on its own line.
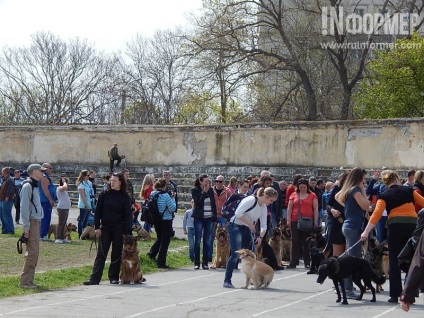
point(242, 226)
point(63, 206)
point(399, 202)
point(171, 186)
point(112, 221)
point(415, 276)
point(146, 190)
point(130, 190)
point(47, 198)
point(205, 216)
point(221, 194)
point(32, 214)
point(243, 187)
point(411, 179)
point(283, 189)
point(18, 186)
point(166, 208)
point(7, 195)
point(292, 187)
point(114, 155)
point(232, 186)
point(85, 194)
point(305, 200)
point(373, 191)
point(188, 227)
point(105, 179)
point(352, 196)
point(92, 179)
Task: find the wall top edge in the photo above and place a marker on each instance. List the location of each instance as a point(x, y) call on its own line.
point(286, 124)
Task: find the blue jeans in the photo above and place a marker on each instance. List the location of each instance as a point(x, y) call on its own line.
point(240, 237)
point(82, 221)
point(352, 237)
point(205, 226)
point(7, 226)
point(47, 218)
point(190, 237)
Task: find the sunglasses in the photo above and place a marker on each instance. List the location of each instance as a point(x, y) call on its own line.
point(218, 181)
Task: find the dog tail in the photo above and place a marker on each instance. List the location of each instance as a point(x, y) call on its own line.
point(378, 279)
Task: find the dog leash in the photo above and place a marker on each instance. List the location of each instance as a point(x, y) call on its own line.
point(351, 247)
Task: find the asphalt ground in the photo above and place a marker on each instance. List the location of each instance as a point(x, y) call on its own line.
point(199, 293)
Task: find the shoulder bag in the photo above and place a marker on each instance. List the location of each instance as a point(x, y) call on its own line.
point(304, 224)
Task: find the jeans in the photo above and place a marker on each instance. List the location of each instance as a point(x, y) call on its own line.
point(205, 226)
point(240, 237)
point(82, 221)
point(352, 237)
point(190, 237)
point(381, 229)
point(17, 205)
point(47, 218)
point(6, 218)
point(284, 213)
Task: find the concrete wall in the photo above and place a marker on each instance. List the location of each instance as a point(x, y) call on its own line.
point(393, 143)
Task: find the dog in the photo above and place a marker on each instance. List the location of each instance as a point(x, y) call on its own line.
point(141, 233)
point(88, 233)
point(374, 256)
point(222, 251)
point(317, 244)
point(339, 268)
point(285, 241)
point(259, 273)
point(130, 267)
point(266, 255)
point(66, 232)
point(276, 243)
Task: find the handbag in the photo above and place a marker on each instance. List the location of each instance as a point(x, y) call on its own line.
point(304, 224)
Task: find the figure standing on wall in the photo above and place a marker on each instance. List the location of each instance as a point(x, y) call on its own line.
point(114, 155)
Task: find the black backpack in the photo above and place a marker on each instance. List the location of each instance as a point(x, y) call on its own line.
point(230, 206)
point(150, 211)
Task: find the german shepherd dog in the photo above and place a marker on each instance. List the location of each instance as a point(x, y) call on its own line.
point(260, 274)
point(317, 245)
point(222, 251)
point(277, 244)
point(141, 233)
point(266, 255)
point(339, 268)
point(374, 256)
point(130, 267)
point(285, 241)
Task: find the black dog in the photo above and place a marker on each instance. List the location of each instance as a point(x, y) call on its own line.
point(339, 268)
point(268, 256)
point(317, 245)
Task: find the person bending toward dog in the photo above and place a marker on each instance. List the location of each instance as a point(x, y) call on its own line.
point(112, 220)
point(242, 225)
point(402, 218)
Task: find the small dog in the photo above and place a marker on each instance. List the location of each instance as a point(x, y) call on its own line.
point(277, 244)
point(222, 252)
point(259, 273)
point(339, 268)
point(285, 241)
point(130, 270)
point(374, 256)
point(88, 233)
point(66, 232)
point(141, 233)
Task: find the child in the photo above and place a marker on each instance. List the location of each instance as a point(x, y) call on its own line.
point(188, 227)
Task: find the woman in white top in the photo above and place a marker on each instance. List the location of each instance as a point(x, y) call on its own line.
point(242, 225)
point(63, 206)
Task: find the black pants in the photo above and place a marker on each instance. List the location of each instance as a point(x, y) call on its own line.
point(160, 246)
point(112, 162)
point(110, 236)
point(299, 245)
point(397, 236)
point(17, 204)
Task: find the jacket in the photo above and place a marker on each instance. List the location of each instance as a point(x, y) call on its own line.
point(30, 203)
point(199, 197)
point(221, 199)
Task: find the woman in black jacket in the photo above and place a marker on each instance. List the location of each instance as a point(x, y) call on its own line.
point(112, 220)
point(204, 214)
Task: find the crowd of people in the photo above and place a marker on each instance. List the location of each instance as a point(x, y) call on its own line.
point(348, 210)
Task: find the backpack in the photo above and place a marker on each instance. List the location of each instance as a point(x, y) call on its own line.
point(150, 211)
point(32, 192)
point(230, 206)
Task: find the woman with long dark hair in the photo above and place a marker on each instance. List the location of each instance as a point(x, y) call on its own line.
point(204, 214)
point(112, 220)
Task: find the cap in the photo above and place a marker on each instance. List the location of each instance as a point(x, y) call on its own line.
point(35, 166)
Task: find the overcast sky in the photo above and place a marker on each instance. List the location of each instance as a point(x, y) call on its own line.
point(107, 24)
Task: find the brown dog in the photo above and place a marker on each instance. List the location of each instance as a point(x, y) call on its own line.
point(285, 241)
point(130, 269)
point(277, 244)
point(88, 233)
point(259, 273)
point(141, 233)
point(222, 252)
point(66, 231)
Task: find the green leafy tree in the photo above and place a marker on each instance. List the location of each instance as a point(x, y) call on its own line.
point(394, 86)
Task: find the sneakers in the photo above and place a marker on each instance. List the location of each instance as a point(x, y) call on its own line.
point(196, 266)
point(89, 282)
point(393, 300)
point(228, 285)
point(29, 286)
point(351, 294)
point(59, 241)
point(66, 241)
point(205, 266)
point(45, 239)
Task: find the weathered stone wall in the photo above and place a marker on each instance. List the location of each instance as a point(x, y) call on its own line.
point(393, 143)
